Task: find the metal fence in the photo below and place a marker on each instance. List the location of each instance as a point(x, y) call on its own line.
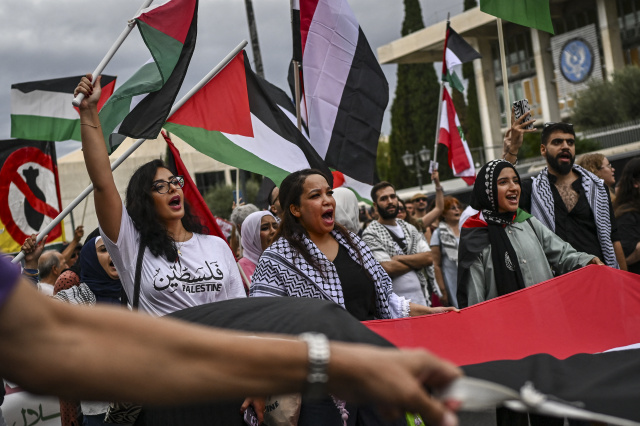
point(614, 135)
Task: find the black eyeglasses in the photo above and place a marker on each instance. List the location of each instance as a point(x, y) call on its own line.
point(162, 186)
point(551, 123)
point(401, 209)
point(420, 199)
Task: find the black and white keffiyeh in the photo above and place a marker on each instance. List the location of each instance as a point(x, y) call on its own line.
point(77, 295)
point(378, 237)
point(542, 207)
point(283, 272)
point(448, 242)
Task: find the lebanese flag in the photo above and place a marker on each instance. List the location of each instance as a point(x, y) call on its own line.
point(191, 193)
point(456, 52)
point(139, 108)
point(42, 110)
point(452, 137)
point(345, 90)
point(233, 120)
point(536, 333)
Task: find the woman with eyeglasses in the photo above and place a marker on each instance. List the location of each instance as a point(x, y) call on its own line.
point(155, 237)
point(444, 249)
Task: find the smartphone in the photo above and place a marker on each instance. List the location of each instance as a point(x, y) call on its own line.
point(520, 108)
point(234, 196)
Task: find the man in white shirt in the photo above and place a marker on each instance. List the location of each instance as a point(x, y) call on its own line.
point(50, 266)
point(399, 247)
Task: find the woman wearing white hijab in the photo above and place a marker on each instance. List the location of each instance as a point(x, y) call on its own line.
point(257, 230)
point(347, 209)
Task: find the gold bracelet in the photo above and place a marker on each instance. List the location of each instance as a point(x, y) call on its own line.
point(90, 125)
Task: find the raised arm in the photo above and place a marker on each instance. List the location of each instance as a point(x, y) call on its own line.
point(434, 214)
point(515, 136)
point(77, 236)
point(106, 197)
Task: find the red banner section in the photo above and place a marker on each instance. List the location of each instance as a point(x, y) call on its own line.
point(590, 310)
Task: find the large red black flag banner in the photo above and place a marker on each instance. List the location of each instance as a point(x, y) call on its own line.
point(556, 335)
point(29, 192)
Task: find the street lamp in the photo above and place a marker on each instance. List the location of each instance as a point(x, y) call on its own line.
point(423, 155)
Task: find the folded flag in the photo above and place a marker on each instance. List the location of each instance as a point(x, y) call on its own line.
point(452, 137)
point(528, 13)
point(42, 110)
point(233, 120)
point(345, 89)
point(456, 52)
point(191, 193)
point(511, 339)
point(140, 107)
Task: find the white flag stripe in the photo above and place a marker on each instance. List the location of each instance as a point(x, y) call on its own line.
point(444, 117)
point(279, 151)
point(363, 189)
point(452, 59)
point(43, 103)
point(328, 54)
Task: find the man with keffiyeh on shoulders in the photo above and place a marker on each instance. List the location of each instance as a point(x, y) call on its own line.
point(569, 200)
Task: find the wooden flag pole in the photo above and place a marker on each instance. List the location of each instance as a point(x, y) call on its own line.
point(505, 79)
point(133, 147)
point(114, 48)
point(444, 53)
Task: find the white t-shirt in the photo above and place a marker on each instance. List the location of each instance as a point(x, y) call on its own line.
point(205, 272)
point(408, 285)
point(46, 289)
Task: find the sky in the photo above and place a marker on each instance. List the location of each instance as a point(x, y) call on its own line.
point(44, 39)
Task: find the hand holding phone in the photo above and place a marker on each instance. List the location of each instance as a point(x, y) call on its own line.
point(520, 108)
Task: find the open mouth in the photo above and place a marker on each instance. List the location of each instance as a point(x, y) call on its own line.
point(328, 216)
point(564, 156)
point(175, 202)
point(512, 198)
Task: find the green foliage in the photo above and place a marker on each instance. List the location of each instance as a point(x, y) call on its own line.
point(609, 102)
point(220, 197)
point(415, 106)
point(530, 148)
point(383, 160)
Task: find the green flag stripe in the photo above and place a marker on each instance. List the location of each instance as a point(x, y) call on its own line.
point(528, 13)
point(454, 80)
point(215, 145)
point(164, 49)
point(36, 127)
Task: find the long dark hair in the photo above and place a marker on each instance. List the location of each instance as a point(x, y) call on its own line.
point(140, 206)
point(290, 228)
point(627, 194)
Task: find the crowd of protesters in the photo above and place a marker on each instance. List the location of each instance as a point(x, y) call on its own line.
point(396, 258)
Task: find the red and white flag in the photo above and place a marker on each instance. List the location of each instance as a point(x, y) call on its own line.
point(452, 137)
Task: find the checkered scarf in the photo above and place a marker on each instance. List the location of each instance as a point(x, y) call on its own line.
point(295, 277)
point(542, 207)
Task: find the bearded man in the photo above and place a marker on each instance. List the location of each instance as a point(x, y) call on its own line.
point(569, 200)
point(399, 247)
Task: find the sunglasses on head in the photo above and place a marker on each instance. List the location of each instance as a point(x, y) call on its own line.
point(551, 123)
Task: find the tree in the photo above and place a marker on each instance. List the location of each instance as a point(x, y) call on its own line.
point(414, 108)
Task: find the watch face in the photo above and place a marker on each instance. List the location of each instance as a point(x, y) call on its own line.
point(576, 60)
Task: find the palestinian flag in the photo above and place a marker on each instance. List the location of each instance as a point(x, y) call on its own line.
point(232, 120)
point(42, 110)
point(197, 204)
point(345, 89)
point(139, 107)
point(29, 191)
point(552, 334)
point(452, 137)
point(456, 52)
point(528, 13)
point(362, 190)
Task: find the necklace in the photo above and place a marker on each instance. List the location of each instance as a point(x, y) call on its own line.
point(179, 246)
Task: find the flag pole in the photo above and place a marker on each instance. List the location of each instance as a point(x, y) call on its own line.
point(114, 48)
point(135, 146)
point(505, 80)
point(444, 54)
point(296, 79)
